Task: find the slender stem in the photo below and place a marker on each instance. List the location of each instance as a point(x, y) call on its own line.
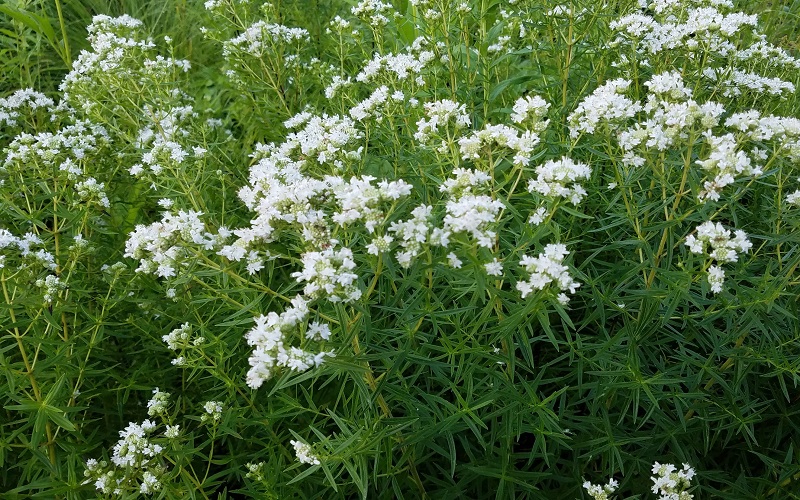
point(29, 369)
point(210, 454)
point(67, 56)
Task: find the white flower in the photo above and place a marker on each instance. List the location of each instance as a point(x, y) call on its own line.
point(560, 179)
point(454, 261)
point(532, 108)
point(318, 331)
point(213, 411)
point(494, 268)
point(379, 245)
point(716, 277)
point(717, 242)
point(474, 215)
point(545, 269)
point(439, 113)
point(52, 285)
point(606, 105)
point(521, 144)
point(669, 482)
point(329, 273)
point(713, 240)
point(601, 492)
point(271, 337)
point(178, 338)
point(305, 455)
point(412, 234)
point(158, 404)
point(538, 216)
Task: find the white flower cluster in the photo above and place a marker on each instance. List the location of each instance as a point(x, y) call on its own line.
point(791, 199)
point(467, 211)
point(668, 86)
point(494, 268)
point(71, 144)
point(499, 45)
point(548, 268)
point(601, 491)
point(671, 483)
point(69, 154)
point(160, 139)
point(373, 12)
point(271, 338)
point(413, 234)
point(324, 138)
point(136, 463)
point(337, 83)
point(135, 449)
point(118, 59)
point(714, 240)
point(725, 163)
point(25, 245)
point(357, 200)
point(763, 51)
point(111, 39)
point(329, 273)
point(464, 181)
point(521, 144)
point(559, 178)
point(51, 285)
point(161, 247)
point(683, 24)
point(180, 339)
point(736, 82)
point(670, 114)
point(439, 113)
point(304, 453)
point(13, 105)
point(370, 106)
point(159, 403)
point(606, 105)
point(709, 26)
point(531, 110)
point(784, 132)
point(394, 68)
point(283, 197)
point(92, 192)
point(213, 412)
point(287, 200)
point(255, 471)
point(261, 37)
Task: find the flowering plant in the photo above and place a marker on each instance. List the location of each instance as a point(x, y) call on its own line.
point(406, 249)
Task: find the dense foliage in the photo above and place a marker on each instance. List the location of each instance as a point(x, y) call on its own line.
point(408, 249)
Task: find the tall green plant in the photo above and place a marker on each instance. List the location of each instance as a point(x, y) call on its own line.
point(420, 249)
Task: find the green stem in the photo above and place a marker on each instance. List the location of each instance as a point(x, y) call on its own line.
point(66, 56)
point(29, 369)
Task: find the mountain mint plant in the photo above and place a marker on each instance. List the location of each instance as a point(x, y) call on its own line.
point(406, 249)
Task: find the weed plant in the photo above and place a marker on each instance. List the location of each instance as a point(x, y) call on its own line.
point(409, 249)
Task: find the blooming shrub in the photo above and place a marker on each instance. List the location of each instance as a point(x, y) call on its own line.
point(407, 249)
